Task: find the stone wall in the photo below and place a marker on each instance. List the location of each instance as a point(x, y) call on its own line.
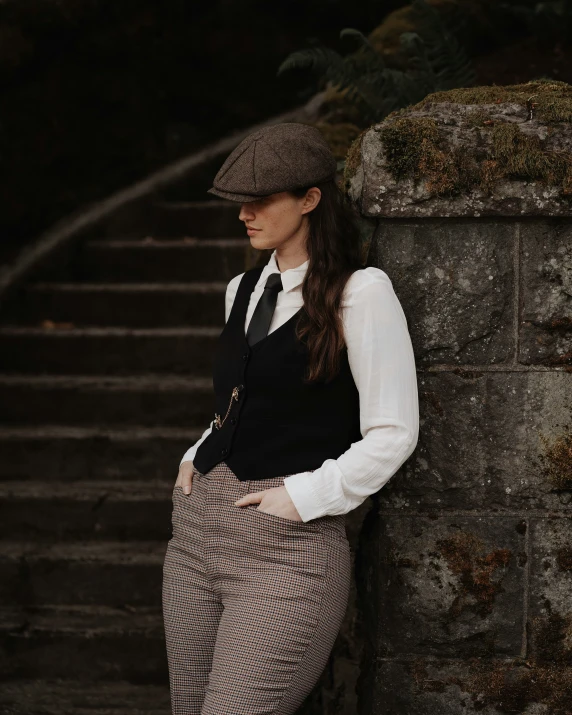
point(466, 558)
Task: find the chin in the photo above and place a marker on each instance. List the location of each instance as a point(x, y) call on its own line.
point(258, 242)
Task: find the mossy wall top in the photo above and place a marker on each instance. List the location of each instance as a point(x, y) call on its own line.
point(472, 151)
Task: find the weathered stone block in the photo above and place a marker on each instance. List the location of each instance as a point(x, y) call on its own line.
point(488, 440)
point(455, 284)
point(465, 564)
point(449, 586)
point(546, 320)
point(471, 151)
point(550, 615)
point(490, 687)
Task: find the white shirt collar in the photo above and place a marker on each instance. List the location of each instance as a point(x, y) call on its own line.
point(291, 278)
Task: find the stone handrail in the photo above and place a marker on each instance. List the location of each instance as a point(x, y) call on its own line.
point(73, 226)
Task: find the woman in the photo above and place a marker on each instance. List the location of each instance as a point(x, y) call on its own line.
point(315, 398)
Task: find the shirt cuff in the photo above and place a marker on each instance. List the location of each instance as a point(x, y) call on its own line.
point(189, 454)
point(305, 498)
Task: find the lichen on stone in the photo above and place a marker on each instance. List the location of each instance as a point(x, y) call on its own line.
point(557, 460)
point(466, 556)
point(510, 686)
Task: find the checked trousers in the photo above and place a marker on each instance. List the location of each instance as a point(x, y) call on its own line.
point(252, 602)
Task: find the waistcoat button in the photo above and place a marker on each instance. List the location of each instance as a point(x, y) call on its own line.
point(223, 450)
point(233, 420)
point(245, 356)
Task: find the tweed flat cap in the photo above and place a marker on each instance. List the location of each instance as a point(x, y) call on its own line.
point(276, 158)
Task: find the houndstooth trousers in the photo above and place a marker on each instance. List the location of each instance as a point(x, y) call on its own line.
point(252, 602)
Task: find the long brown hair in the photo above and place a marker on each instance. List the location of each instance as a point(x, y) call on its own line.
point(335, 252)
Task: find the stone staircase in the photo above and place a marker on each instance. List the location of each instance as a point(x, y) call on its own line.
point(105, 381)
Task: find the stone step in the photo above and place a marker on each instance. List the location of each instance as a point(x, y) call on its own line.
point(93, 643)
point(108, 573)
point(114, 510)
point(69, 453)
point(117, 350)
point(71, 697)
point(126, 304)
point(151, 400)
point(175, 219)
point(190, 259)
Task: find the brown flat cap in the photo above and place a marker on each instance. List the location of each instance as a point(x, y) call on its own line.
point(276, 158)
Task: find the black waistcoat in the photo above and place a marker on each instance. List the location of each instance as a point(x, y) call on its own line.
point(275, 424)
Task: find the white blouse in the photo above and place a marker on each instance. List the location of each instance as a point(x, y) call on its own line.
point(381, 360)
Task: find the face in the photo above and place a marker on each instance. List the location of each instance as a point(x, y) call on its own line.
point(280, 218)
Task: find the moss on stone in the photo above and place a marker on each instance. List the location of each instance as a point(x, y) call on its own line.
point(477, 118)
point(416, 148)
point(553, 98)
point(522, 156)
point(407, 141)
point(353, 158)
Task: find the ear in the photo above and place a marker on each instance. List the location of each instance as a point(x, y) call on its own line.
point(312, 199)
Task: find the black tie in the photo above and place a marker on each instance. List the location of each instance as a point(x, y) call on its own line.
point(262, 316)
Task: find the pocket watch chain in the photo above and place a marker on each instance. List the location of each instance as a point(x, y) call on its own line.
point(234, 396)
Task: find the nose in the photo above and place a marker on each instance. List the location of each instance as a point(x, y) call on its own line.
point(245, 213)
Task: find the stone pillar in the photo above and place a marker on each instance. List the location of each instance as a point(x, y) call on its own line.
point(465, 561)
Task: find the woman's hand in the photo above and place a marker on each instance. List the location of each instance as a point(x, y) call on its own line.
point(185, 476)
point(276, 500)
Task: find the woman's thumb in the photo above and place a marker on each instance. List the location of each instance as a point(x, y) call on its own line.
point(187, 478)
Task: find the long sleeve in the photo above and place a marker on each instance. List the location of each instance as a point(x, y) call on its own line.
point(230, 294)
point(190, 453)
point(381, 359)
